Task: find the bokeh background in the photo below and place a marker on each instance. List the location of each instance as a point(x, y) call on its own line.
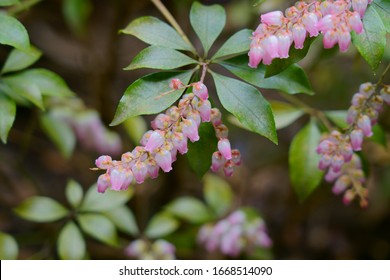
point(90, 56)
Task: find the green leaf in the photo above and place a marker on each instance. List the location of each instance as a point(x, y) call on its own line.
point(285, 114)
point(200, 153)
point(25, 88)
point(237, 44)
point(123, 218)
point(70, 243)
point(303, 161)
point(153, 31)
point(247, 104)
point(383, 10)
point(135, 128)
point(295, 55)
point(144, 95)
point(157, 57)
point(8, 2)
point(76, 14)
point(102, 202)
point(41, 209)
point(292, 80)
point(7, 116)
point(99, 227)
point(379, 136)
point(8, 247)
point(189, 209)
point(13, 33)
point(371, 42)
point(218, 194)
point(21, 59)
point(338, 117)
point(47, 81)
point(74, 193)
point(60, 133)
point(207, 22)
point(161, 225)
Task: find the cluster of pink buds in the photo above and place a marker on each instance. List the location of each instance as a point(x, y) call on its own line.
point(170, 134)
point(335, 19)
point(144, 250)
point(89, 129)
point(234, 235)
point(337, 149)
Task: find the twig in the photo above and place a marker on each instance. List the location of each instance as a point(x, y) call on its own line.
point(25, 5)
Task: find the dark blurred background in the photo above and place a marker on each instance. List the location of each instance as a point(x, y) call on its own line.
point(91, 58)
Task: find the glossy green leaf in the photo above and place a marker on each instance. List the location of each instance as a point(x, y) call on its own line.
point(200, 153)
point(237, 44)
point(292, 80)
point(144, 96)
point(102, 202)
point(74, 193)
point(338, 117)
point(285, 114)
point(218, 194)
point(207, 22)
point(280, 64)
point(71, 243)
point(123, 218)
point(157, 57)
point(371, 42)
point(135, 128)
point(189, 209)
point(8, 247)
point(25, 88)
point(7, 116)
point(247, 104)
point(379, 135)
point(153, 31)
point(13, 33)
point(383, 10)
point(60, 133)
point(21, 59)
point(76, 14)
point(161, 225)
point(303, 161)
point(48, 82)
point(99, 227)
point(41, 209)
point(8, 2)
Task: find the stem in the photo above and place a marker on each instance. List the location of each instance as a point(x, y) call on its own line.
point(160, 6)
point(204, 71)
point(22, 7)
point(382, 76)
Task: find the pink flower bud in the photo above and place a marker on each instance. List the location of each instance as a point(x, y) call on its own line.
point(217, 161)
point(367, 89)
point(347, 152)
point(263, 240)
point(221, 131)
point(156, 140)
point(136, 248)
point(256, 54)
point(359, 6)
point(175, 84)
point(152, 167)
point(118, 179)
point(272, 18)
point(284, 43)
point(103, 162)
point(228, 168)
point(358, 99)
point(237, 217)
point(349, 195)
point(330, 39)
point(195, 116)
point(200, 90)
point(324, 147)
point(331, 175)
point(162, 121)
point(225, 148)
point(352, 114)
point(299, 35)
point(164, 160)
point(216, 117)
point(180, 142)
point(356, 23)
point(341, 184)
point(140, 171)
point(103, 183)
point(236, 157)
point(344, 41)
point(270, 45)
point(364, 123)
point(356, 139)
point(337, 162)
point(385, 94)
point(324, 162)
point(204, 108)
point(190, 130)
point(325, 24)
point(310, 21)
point(127, 157)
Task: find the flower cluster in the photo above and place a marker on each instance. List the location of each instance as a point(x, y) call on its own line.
point(234, 235)
point(337, 149)
point(144, 250)
point(170, 135)
point(332, 18)
point(89, 129)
